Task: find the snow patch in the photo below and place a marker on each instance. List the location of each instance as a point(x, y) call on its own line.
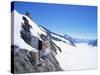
point(17, 20)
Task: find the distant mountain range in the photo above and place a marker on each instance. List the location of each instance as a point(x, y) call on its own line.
point(72, 40)
point(93, 42)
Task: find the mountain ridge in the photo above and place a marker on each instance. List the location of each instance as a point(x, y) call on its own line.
point(24, 47)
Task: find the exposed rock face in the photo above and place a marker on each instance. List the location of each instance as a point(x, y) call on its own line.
point(25, 62)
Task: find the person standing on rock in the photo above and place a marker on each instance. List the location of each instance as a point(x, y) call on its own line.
point(46, 49)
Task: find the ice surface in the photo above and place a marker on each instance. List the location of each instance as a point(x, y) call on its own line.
point(75, 58)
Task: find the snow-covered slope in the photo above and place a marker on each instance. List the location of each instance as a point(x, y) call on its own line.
point(62, 39)
point(75, 58)
point(17, 21)
point(24, 50)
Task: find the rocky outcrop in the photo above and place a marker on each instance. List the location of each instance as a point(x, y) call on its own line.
point(26, 62)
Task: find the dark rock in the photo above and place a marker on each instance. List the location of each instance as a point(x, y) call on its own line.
point(25, 62)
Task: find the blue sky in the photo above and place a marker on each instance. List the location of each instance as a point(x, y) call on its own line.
point(74, 20)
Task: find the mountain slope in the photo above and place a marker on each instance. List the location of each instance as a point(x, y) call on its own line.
point(24, 49)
